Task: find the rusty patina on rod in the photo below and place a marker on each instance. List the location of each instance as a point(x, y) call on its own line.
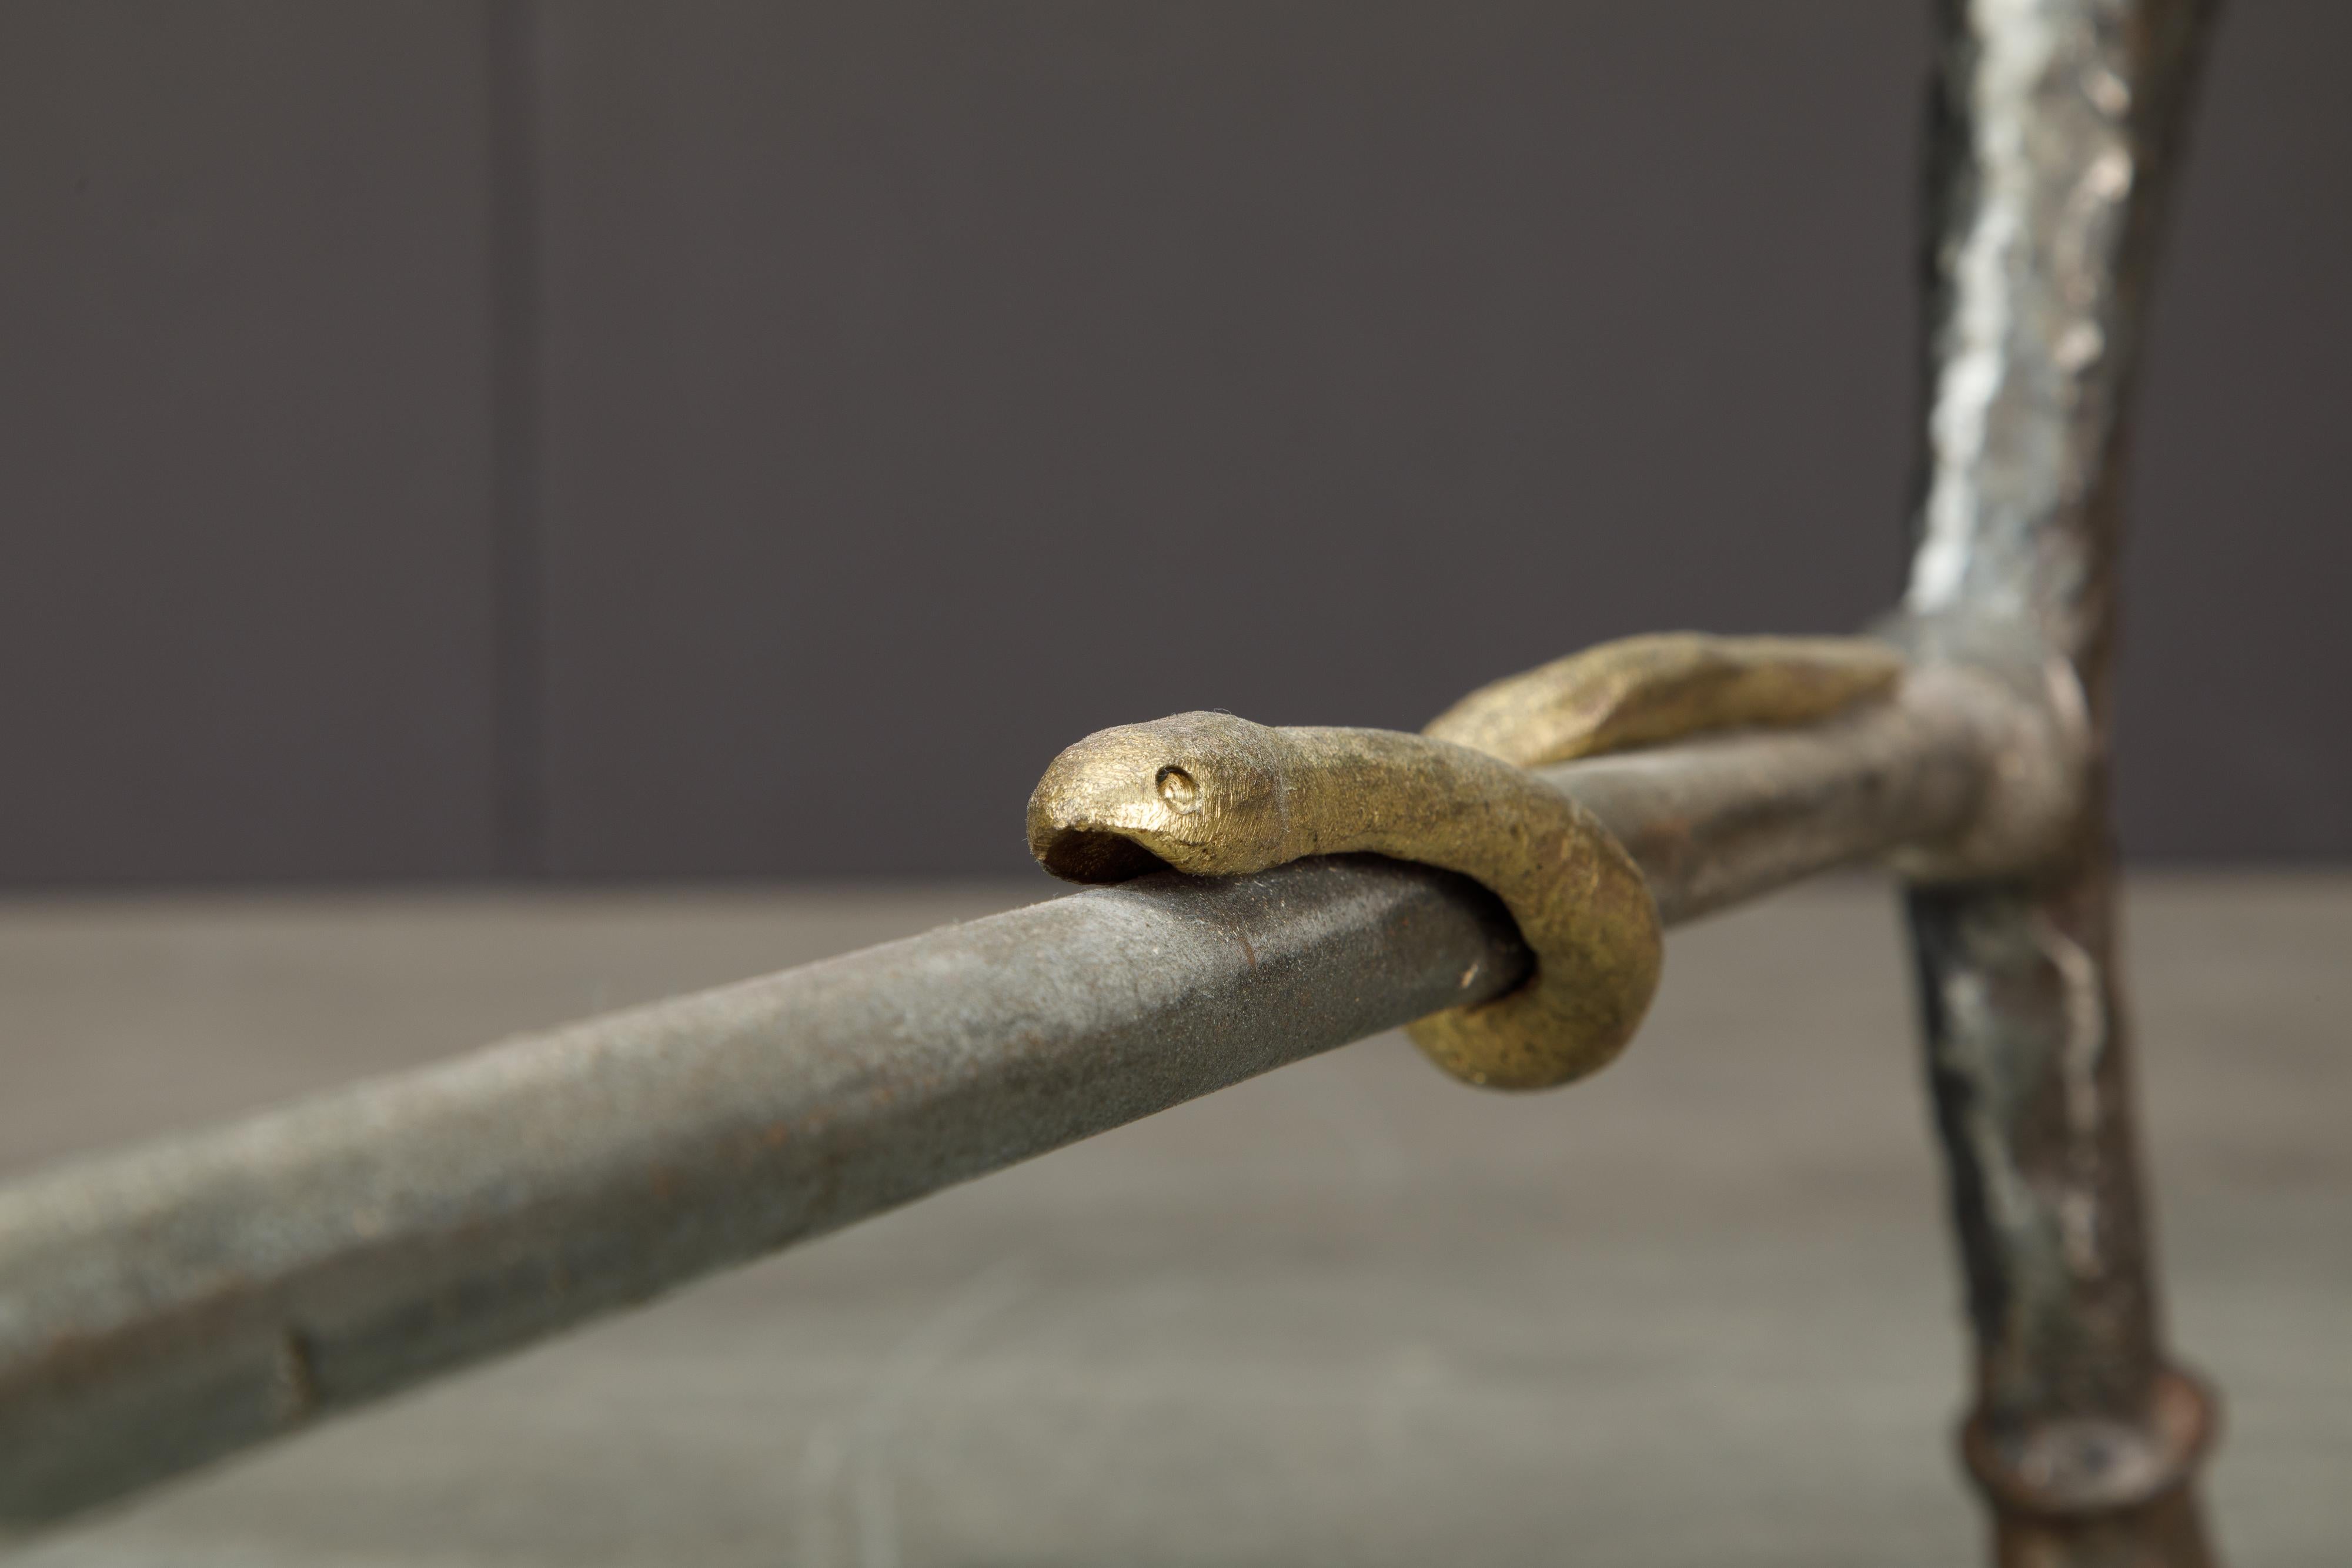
point(169, 1305)
point(2057, 126)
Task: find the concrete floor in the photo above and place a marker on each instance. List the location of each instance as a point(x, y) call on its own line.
point(1697, 1311)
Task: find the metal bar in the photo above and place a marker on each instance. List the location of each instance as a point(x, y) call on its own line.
point(2057, 126)
point(166, 1306)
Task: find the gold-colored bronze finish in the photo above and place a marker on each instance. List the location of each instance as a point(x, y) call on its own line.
point(1641, 691)
point(1215, 795)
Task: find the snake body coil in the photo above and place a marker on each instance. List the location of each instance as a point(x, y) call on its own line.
point(1215, 795)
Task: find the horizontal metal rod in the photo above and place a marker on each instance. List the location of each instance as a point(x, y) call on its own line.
point(162, 1307)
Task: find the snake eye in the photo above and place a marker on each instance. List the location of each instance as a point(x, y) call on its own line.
point(1176, 788)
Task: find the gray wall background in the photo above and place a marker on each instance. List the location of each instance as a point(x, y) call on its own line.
point(621, 439)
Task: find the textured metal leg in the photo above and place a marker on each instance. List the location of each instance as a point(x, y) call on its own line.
point(2084, 1440)
point(2055, 123)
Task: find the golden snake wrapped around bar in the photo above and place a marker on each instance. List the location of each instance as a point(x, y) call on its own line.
point(1215, 796)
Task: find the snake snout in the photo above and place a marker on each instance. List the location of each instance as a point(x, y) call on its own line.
point(1184, 791)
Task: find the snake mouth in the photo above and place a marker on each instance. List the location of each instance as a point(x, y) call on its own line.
point(1167, 795)
point(1091, 855)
